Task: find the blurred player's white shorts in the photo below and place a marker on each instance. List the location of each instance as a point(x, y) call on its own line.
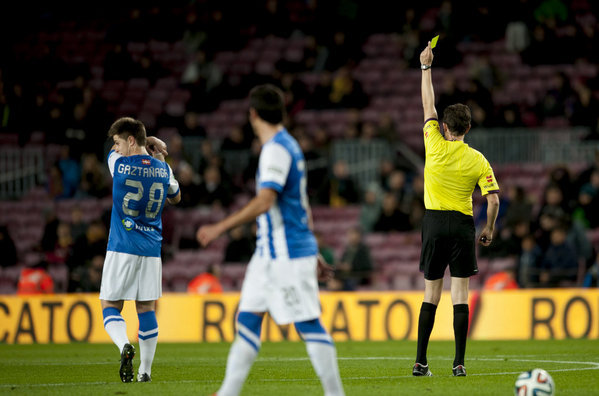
point(286, 289)
point(131, 277)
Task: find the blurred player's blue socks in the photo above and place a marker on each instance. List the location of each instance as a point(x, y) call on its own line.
point(323, 355)
point(115, 326)
point(148, 337)
point(242, 353)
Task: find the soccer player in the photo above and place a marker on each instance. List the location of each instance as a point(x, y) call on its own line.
point(451, 172)
point(133, 268)
point(281, 277)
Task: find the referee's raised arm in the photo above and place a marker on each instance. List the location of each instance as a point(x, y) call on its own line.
point(428, 94)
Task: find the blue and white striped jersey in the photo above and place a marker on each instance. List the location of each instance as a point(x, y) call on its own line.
point(140, 187)
point(283, 231)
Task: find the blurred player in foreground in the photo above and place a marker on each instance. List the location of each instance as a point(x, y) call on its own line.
point(281, 277)
point(451, 172)
point(133, 268)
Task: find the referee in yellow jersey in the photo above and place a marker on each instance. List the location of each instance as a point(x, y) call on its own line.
point(451, 172)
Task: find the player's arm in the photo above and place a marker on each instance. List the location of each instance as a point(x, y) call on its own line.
point(309, 215)
point(486, 236)
point(428, 93)
point(155, 145)
point(261, 203)
point(175, 200)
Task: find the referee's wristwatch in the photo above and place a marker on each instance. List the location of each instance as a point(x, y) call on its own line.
point(425, 67)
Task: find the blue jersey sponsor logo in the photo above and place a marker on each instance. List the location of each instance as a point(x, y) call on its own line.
point(128, 224)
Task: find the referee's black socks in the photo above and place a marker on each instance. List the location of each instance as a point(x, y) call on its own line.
point(460, 331)
point(425, 327)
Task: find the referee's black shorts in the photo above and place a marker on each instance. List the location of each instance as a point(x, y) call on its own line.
point(448, 237)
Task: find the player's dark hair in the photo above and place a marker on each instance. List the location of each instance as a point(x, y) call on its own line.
point(457, 117)
point(127, 126)
point(269, 103)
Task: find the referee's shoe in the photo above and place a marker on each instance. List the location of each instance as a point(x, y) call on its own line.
point(126, 370)
point(421, 370)
point(459, 371)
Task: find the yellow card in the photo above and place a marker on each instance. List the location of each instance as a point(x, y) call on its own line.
point(434, 41)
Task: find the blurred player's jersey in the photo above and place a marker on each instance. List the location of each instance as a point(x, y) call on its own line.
point(140, 187)
point(452, 171)
point(283, 231)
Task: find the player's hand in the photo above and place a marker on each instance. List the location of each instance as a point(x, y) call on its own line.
point(155, 145)
point(486, 236)
point(324, 272)
point(208, 233)
point(426, 56)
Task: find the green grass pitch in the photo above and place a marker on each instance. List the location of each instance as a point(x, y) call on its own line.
point(367, 368)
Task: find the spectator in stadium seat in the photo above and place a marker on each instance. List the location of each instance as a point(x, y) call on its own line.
point(191, 126)
point(249, 173)
point(355, 266)
point(591, 277)
point(70, 171)
point(316, 164)
point(35, 279)
point(206, 282)
point(84, 249)
point(63, 248)
point(346, 91)
point(391, 217)
point(191, 193)
point(234, 140)
point(519, 206)
point(560, 262)
point(90, 275)
point(339, 189)
point(448, 231)
point(553, 201)
point(416, 214)
point(147, 67)
point(118, 64)
point(209, 156)
point(561, 177)
point(576, 235)
point(549, 218)
point(93, 178)
point(202, 76)
point(397, 185)
point(8, 250)
point(587, 211)
point(240, 246)
point(529, 262)
point(386, 128)
point(320, 98)
point(502, 280)
point(340, 51)
point(509, 117)
point(213, 192)
point(370, 208)
point(78, 225)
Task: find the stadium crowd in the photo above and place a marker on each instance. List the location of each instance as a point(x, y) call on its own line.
point(57, 92)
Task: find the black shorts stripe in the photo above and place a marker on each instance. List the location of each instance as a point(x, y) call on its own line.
point(448, 238)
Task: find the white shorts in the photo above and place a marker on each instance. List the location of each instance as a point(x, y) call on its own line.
point(286, 289)
point(131, 277)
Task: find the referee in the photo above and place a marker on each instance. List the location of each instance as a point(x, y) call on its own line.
point(451, 172)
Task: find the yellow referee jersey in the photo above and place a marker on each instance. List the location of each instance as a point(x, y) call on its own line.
point(451, 172)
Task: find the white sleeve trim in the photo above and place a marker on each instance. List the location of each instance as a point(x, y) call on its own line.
point(173, 187)
point(275, 163)
point(112, 157)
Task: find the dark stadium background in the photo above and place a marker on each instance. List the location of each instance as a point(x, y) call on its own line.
point(350, 72)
